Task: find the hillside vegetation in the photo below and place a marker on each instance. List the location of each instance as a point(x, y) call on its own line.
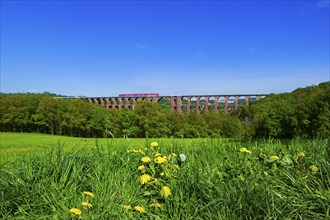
point(304, 112)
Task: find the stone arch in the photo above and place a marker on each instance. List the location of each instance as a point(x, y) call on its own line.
point(253, 98)
point(232, 102)
point(126, 102)
point(113, 102)
point(119, 102)
point(203, 104)
point(183, 104)
point(221, 104)
point(155, 99)
point(193, 104)
point(145, 98)
point(164, 102)
point(95, 101)
point(259, 97)
point(131, 103)
point(242, 101)
point(212, 103)
point(107, 102)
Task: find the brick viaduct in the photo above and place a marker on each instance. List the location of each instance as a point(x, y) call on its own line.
point(185, 103)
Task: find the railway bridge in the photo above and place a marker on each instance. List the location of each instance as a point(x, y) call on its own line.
point(182, 103)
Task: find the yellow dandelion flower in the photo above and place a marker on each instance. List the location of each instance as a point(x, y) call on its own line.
point(314, 168)
point(156, 205)
point(86, 204)
point(165, 192)
point(88, 193)
point(274, 158)
point(141, 167)
point(301, 154)
point(154, 144)
point(244, 150)
point(127, 207)
point(75, 211)
point(157, 154)
point(146, 159)
point(162, 174)
point(139, 209)
point(145, 178)
point(160, 160)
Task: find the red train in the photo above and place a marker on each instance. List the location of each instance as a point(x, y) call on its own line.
point(139, 95)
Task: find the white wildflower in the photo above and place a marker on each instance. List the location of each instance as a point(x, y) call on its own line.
point(182, 157)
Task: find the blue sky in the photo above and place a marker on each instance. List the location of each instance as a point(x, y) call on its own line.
point(103, 48)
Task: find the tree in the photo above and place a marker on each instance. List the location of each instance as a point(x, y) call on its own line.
point(47, 114)
point(74, 117)
point(17, 110)
point(195, 126)
point(147, 119)
point(127, 124)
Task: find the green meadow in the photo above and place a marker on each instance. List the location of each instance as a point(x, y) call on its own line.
point(56, 177)
point(14, 145)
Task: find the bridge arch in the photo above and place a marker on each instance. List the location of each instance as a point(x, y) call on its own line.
point(213, 104)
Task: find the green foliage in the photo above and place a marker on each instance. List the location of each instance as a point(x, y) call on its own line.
point(149, 117)
point(34, 113)
point(46, 114)
point(218, 180)
point(16, 112)
point(302, 113)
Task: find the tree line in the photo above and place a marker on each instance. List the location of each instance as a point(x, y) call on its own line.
point(303, 112)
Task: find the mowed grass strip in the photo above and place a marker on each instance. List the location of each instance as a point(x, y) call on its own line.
point(218, 180)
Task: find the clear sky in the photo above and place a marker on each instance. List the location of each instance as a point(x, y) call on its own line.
point(103, 48)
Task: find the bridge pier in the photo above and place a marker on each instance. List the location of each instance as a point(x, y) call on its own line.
point(179, 104)
point(236, 102)
point(172, 103)
point(114, 102)
point(247, 100)
point(197, 105)
point(216, 103)
point(206, 104)
point(226, 104)
point(188, 104)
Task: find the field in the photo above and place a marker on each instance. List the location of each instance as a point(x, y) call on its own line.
point(53, 177)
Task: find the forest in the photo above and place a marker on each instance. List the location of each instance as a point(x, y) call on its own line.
point(305, 112)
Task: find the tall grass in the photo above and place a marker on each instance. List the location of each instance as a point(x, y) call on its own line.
point(216, 181)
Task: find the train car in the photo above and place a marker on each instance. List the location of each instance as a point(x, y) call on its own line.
point(139, 95)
